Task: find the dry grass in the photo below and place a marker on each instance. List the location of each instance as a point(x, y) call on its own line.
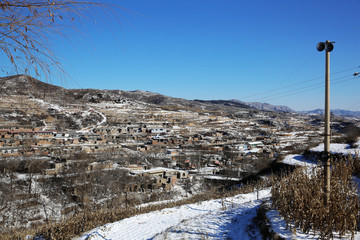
point(299, 197)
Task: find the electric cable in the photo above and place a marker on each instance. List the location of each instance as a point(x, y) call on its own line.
point(298, 83)
point(310, 88)
point(271, 96)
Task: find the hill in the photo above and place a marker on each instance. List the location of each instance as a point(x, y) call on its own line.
point(337, 112)
point(25, 85)
point(28, 86)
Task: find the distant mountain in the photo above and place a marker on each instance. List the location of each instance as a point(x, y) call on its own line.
point(265, 106)
point(337, 112)
point(315, 111)
point(228, 103)
point(269, 107)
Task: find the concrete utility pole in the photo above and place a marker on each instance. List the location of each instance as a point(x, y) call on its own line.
point(328, 46)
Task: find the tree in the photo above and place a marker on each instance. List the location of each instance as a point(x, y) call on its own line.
point(26, 27)
point(352, 133)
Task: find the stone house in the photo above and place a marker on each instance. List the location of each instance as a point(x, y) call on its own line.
point(95, 166)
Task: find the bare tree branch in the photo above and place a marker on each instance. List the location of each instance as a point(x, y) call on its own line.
point(27, 25)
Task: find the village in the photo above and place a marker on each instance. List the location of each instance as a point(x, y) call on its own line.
point(59, 158)
point(176, 137)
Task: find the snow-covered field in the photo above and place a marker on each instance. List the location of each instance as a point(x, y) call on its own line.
point(228, 218)
point(339, 148)
point(299, 160)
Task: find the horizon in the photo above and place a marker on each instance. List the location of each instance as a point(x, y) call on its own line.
point(299, 111)
point(250, 51)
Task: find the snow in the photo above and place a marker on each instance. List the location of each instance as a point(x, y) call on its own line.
point(339, 148)
point(298, 160)
point(222, 178)
point(254, 150)
point(152, 170)
point(220, 218)
point(206, 170)
point(103, 120)
point(90, 128)
point(51, 105)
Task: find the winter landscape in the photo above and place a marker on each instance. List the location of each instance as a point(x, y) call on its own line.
point(227, 136)
point(174, 168)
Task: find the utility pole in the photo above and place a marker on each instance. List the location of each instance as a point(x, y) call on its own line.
point(328, 46)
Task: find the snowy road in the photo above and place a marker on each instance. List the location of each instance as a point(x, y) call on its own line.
point(90, 128)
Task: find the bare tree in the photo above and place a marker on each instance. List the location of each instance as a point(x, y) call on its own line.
point(26, 27)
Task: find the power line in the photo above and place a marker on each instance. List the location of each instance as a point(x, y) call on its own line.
point(297, 69)
point(297, 83)
point(354, 104)
point(304, 87)
point(321, 85)
point(308, 88)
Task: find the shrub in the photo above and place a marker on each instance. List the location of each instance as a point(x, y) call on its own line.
point(352, 133)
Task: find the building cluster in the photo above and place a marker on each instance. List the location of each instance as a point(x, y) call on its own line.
point(181, 139)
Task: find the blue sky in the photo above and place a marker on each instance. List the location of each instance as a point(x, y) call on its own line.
point(220, 49)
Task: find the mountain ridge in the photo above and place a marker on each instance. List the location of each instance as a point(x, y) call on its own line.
point(266, 106)
point(27, 85)
point(337, 112)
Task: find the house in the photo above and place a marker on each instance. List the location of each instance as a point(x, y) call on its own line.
point(159, 140)
point(43, 142)
point(100, 166)
point(156, 130)
point(168, 176)
point(182, 175)
point(143, 148)
point(256, 144)
point(44, 134)
point(240, 147)
point(9, 152)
